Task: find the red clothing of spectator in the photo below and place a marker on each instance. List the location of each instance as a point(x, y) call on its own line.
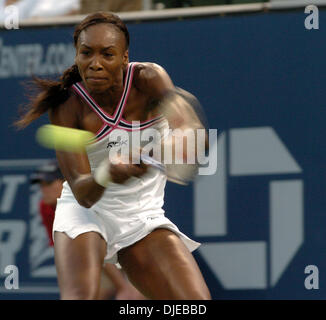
point(47, 213)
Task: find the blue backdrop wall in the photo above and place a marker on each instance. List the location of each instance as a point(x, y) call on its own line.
point(261, 216)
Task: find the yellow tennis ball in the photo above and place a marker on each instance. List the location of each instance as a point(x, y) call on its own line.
point(63, 138)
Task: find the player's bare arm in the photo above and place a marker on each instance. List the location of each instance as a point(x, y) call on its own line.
point(153, 80)
point(75, 166)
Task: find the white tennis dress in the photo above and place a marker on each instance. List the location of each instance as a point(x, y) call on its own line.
point(125, 213)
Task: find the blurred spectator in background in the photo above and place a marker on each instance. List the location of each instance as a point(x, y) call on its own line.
point(114, 284)
point(50, 180)
point(29, 9)
point(173, 3)
point(41, 8)
point(88, 6)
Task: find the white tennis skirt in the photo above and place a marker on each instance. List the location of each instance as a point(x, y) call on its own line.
point(118, 231)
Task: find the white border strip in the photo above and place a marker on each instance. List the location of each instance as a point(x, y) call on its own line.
point(31, 289)
point(22, 163)
point(290, 4)
point(152, 14)
point(178, 13)
point(144, 15)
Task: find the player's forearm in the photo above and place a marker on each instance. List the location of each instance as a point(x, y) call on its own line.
point(86, 191)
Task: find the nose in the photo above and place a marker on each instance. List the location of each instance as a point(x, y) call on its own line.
point(95, 64)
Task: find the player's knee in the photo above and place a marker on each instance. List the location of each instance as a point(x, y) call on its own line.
point(136, 257)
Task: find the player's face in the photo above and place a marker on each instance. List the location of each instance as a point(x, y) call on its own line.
point(101, 57)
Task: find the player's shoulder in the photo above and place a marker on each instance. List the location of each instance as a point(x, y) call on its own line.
point(148, 70)
point(70, 104)
point(67, 110)
point(152, 79)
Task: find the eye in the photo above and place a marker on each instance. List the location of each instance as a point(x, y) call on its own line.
point(108, 54)
point(85, 53)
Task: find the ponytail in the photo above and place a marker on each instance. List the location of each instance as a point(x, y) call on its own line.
point(51, 94)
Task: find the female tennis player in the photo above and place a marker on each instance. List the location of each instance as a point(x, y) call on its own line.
point(113, 212)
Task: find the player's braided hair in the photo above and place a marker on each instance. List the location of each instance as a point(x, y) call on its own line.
point(101, 17)
point(53, 93)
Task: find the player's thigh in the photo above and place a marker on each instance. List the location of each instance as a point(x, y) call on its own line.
point(162, 267)
point(79, 263)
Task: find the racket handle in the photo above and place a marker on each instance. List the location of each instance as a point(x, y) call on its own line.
point(152, 162)
point(102, 173)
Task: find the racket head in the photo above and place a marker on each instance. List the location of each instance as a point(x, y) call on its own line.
point(180, 104)
point(195, 105)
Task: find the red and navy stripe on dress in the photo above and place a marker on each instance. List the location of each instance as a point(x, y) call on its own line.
point(115, 121)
